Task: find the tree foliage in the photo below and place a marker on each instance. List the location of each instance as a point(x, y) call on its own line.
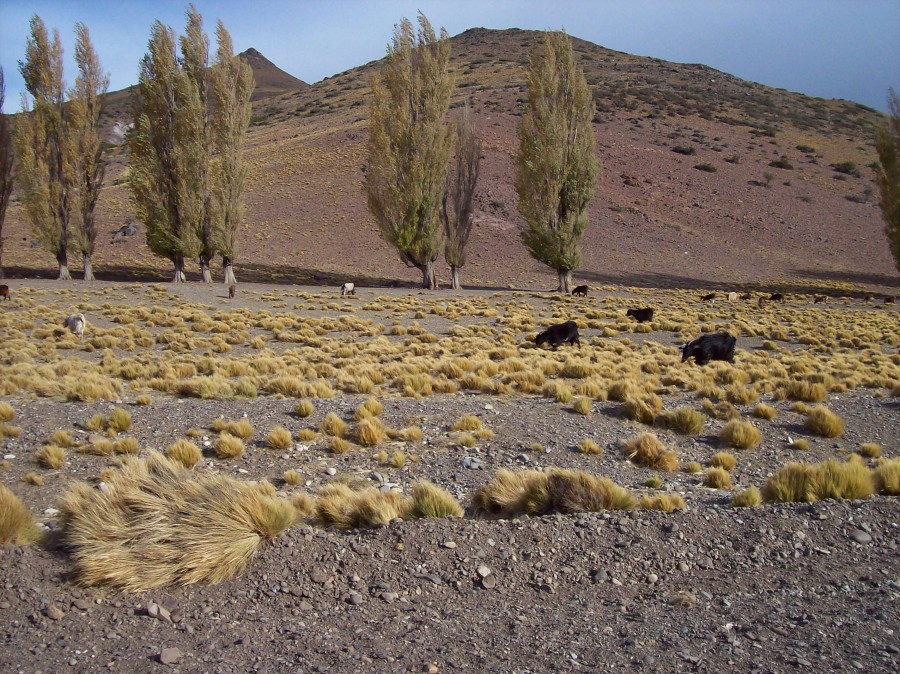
point(556, 166)
point(457, 206)
point(888, 145)
point(7, 162)
point(410, 144)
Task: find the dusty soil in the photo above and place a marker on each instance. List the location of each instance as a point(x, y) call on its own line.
point(779, 588)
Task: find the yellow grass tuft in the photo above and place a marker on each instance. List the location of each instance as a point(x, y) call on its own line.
point(333, 425)
point(666, 503)
point(119, 420)
point(871, 450)
point(240, 429)
point(887, 476)
point(7, 413)
point(304, 409)
point(143, 399)
point(9, 431)
point(653, 482)
point(279, 438)
point(306, 434)
point(801, 444)
point(184, 452)
point(95, 423)
point(304, 506)
point(763, 411)
point(344, 508)
point(339, 446)
point(582, 406)
point(740, 434)
point(372, 407)
point(684, 420)
point(62, 438)
point(467, 422)
point(717, 478)
point(127, 445)
point(723, 460)
point(370, 431)
point(646, 450)
point(431, 501)
point(693, 467)
point(588, 446)
point(466, 440)
point(292, 477)
point(228, 446)
point(802, 390)
point(17, 525)
point(398, 459)
point(805, 482)
point(643, 410)
point(748, 498)
point(822, 421)
point(33, 478)
point(412, 434)
point(50, 456)
point(157, 524)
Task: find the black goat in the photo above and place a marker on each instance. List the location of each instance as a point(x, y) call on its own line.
point(561, 333)
point(716, 346)
point(641, 315)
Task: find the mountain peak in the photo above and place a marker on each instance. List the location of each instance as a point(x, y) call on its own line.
point(270, 79)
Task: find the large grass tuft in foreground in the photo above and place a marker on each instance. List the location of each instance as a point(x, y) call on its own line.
point(157, 524)
point(17, 524)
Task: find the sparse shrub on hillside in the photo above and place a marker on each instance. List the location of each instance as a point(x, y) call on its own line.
point(228, 446)
point(871, 450)
point(582, 406)
point(646, 450)
point(333, 425)
point(7, 413)
point(184, 452)
point(370, 431)
point(685, 149)
point(717, 478)
point(642, 409)
point(887, 476)
point(292, 477)
point(684, 420)
point(431, 501)
point(804, 482)
point(748, 498)
point(338, 445)
point(782, 163)
point(847, 168)
point(763, 411)
point(693, 467)
point(50, 456)
point(588, 446)
point(666, 503)
point(822, 421)
point(17, 524)
point(653, 482)
point(467, 422)
point(740, 434)
point(279, 438)
point(119, 420)
point(304, 409)
point(706, 167)
point(723, 460)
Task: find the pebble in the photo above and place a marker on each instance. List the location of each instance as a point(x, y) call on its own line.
point(170, 656)
point(489, 582)
point(53, 612)
point(448, 544)
point(9, 457)
point(331, 471)
point(430, 668)
point(484, 571)
point(51, 512)
point(81, 604)
point(652, 578)
point(355, 599)
point(860, 536)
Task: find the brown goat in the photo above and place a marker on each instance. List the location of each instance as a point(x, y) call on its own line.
point(4, 292)
point(232, 290)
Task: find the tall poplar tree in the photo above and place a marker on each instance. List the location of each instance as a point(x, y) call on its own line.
point(556, 166)
point(410, 144)
point(7, 163)
point(888, 175)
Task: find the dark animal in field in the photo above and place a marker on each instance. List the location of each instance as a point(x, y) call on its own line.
point(819, 300)
point(746, 296)
point(776, 297)
point(715, 346)
point(232, 290)
point(348, 289)
point(640, 315)
point(889, 300)
point(761, 302)
point(580, 290)
point(561, 333)
point(708, 298)
point(4, 292)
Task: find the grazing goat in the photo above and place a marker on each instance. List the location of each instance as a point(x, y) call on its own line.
point(75, 323)
point(708, 298)
point(762, 302)
point(716, 346)
point(732, 297)
point(819, 300)
point(640, 315)
point(746, 296)
point(232, 291)
point(776, 297)
point(348, 289)
point(561, 333)
point(580, 290)
point(4, 292)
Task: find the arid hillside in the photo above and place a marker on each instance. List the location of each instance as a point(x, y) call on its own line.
point(707, 180)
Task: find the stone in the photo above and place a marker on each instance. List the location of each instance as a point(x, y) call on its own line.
point(489, 582)
point(170, 656)
point(860, 536)
point(355, 599)
point(448, 544)
point(53, 612)
point(483, 571)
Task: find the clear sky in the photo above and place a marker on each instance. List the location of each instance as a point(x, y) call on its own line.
point(830, 48)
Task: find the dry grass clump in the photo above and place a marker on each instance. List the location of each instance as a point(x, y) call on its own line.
point(398, 459)
point(804, 482)
point(157, 524)
point(693, 467)
point(7, 413)
point(304, 409)
point(307, 434)
point(370, 431)
point(143, 399)
point(339, 445)
point(279, 438)
point(740, 434)
point(763, 411)
point(466, 440)
point(802, 390)
point(184, 452)
point(240, 429)
point(871, 450)
point(822, 421)
point(17, 525)
point(643, 410)
point(532, 492)
point(739, 394)
point(95, 423)
point(748, 498)
point(333, 425)
point(684, 420)
point(723, 460)
point(292, 477)
point(127, 445)
point(582, 406)
point(372, 407)
point(431, 501)
point(342, 507)
point(666, 503)
point(9, 431)
point(467, 422)
point(653, 482)
point(62, 438)
point(887, 476)
point(801, 444)
point(411, 434)
point(228, 446)
point(119, 420)
point(33, 479)
point(646, 450)
point(50, 456)
point(717, 478)
point(588, 446)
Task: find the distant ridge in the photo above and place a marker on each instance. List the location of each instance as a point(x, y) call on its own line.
point(270, 79)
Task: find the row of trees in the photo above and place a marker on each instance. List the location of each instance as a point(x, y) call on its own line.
point(421, 204)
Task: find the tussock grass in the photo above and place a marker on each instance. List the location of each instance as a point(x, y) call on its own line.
point(666, 503)
point(127, 445)
point(466, 440)
point(684, 420)
point(33, 479)
point(304, 506)
point(17, 524)
point(763, 411)
point(240, 429)
point(333, 425)
point(646, 450)
point(748, 498)
point(184, 452)
point(9, 431)
point(304, 409)
point(339, 445)
point(723, 460)
point(531, 492)
point(143, 400)
point(292, 477)
point(279, 438)
point(95, 423)
point(804, 482)
point(431, 501)
point(809, 392)
point(871, 450)
point(307, 434)
point(801, 444)
point(158, 524)
point(228, 446)
point(412, 434)
point(739, 394)
point(467, 422)
point(740, 434)
point(887, 476)
point(822, 421)
point(119, 420)
point(588, 446)
point(717, 478)
point(693, 467)
point(345, 508)
point(7, 413)
point(643, 410)
point(50, 456)
point(653, 482)
point(582, 406)
point(372, 407)
point(62, 438)
point(370, 431)
point(398, 459)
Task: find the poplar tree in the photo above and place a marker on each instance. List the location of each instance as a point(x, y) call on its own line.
point(7, 163)
point(232, 86)
point(556, 167)
point(410, 144)
point(888, 175)
point(457, 208)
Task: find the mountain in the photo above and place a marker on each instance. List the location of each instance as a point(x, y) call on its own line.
point(270, 79)
point(707, 180)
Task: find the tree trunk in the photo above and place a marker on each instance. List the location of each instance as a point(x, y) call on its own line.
point(179, 269)
point(454, 277)
point(204, 269)
point(429, 279)
point(228, 268)
point(63, 259)
point(88, 269)
point(565, 282)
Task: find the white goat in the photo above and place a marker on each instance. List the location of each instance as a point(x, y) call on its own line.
point(348, 289)
point(75, 323)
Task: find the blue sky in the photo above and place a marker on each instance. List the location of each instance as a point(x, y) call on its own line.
point(830, 48)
